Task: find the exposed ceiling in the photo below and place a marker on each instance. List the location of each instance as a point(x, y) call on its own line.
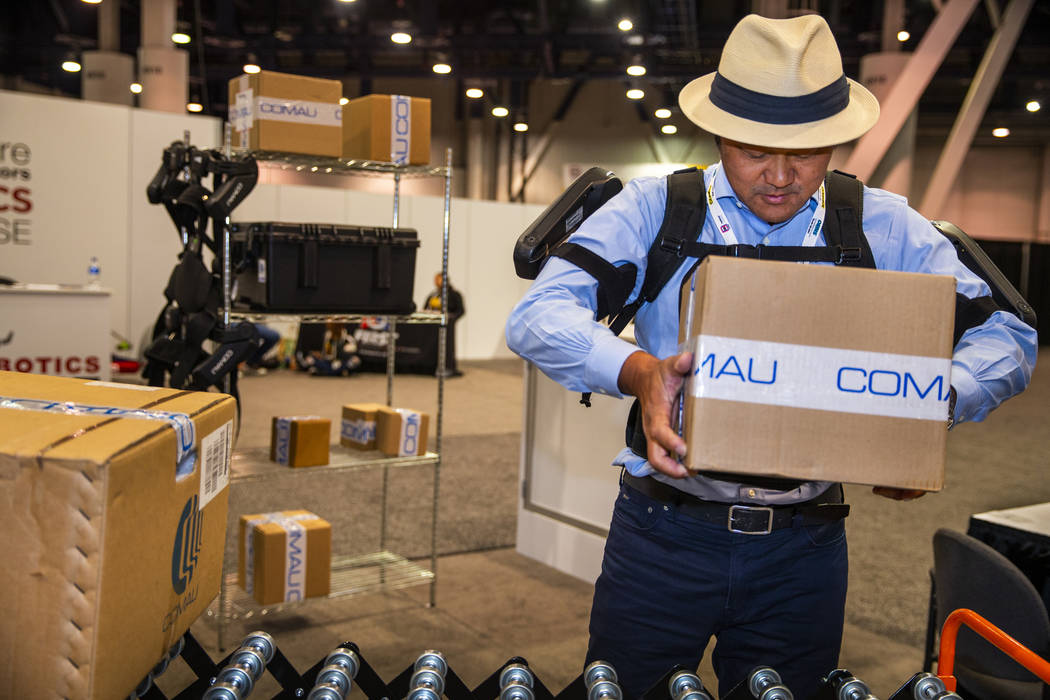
point(507, 43)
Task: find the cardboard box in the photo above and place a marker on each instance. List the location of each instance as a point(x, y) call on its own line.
point(284, 556)
point(358, 429)
point(401, 432)
point(388, 128)
point(300, 441)
point(282, 112)
point(819, 373)
point(113, 539)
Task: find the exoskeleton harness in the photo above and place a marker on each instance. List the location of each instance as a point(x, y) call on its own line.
point(677, 241)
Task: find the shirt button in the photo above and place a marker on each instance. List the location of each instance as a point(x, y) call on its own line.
point(650, 509)
point(751, 493)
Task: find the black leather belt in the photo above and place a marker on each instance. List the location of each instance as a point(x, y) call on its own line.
point(745, 518)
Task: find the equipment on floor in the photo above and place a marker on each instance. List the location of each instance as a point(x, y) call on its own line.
point(763, 683)
point(336, 676)
point(176, 355)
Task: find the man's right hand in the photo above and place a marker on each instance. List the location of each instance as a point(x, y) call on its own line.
point(656, 384)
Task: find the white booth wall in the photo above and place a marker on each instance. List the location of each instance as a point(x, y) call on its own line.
point(88, 166)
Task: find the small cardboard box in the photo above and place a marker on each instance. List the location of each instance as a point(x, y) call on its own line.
point(285, 556)
point(401, 432)
point(388, 128)
point(358, 429)
point(282, 112)
point(818, 373)
point(300, 441)
point(113, 503)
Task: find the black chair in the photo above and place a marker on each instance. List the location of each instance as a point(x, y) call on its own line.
point(970, 574)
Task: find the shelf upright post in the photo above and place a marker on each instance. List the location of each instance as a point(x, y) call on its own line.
point(443, 331)
point(227, 151)
point(391, 350)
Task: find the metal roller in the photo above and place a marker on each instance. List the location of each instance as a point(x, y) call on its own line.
point(251, 660)
point(222, 691)
point(237, 677)
point(515, 673)
point(761, 678)
point(325, 692)
point(262, 642)
point(432, 660)
point(855, 689)
point(776, 692)
point(598, 671)
point(687, 686)
point(422, 694)
point(426, 678)
point(927, 687)
point(516, 690)
point(345, 658)
point(605, 690)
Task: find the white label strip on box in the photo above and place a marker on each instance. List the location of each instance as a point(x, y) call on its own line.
point(297, 111)
point(249, 541)
point(294, 560)
point(408, 440)
point(284, 438)
point(827, 379)
point(182, 424)
point(400, 128)
point(216, 449)
point(241, 118)
point(360, 430)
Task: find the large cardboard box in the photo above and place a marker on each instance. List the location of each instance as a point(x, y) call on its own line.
point(818, 372)
point(401, 432)
point(388, 128)
point(358, 429)
point(113, 511)
point(285, 556)
point(300, 441)
point(283, 112)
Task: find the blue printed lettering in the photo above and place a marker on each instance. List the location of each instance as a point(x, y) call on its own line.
point(735, 372)
point(731, 367)
point(884, 390)
point(411, 443)
point(938, 381)
point(751, 373)
point(855, 390)
point(293, 584)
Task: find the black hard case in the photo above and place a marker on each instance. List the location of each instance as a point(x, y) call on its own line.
point(323, 267)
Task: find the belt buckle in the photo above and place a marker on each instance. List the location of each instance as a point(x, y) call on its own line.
point(769, 519)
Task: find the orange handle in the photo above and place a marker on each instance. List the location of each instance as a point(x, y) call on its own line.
point(1007, 644)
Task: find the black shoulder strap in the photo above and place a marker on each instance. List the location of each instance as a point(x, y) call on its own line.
point(683, 221)
point(843, 221)
point(614, 283)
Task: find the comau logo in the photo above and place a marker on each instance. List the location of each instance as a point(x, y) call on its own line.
point(187, 546)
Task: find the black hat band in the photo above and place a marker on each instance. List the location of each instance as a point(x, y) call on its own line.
point(772, 109)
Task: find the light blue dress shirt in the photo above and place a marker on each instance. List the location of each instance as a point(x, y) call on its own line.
point(553, 326)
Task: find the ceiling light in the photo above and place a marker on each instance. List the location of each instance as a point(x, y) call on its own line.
point(635, 94)
point(135, 88)
point(180, 38)
point(347, 0)
point(1000, 132)
point(669, 129)
point(251, 68)
point(343, 100)
point(636, 69)
point(1033, 106)
point(662, 113)
point(521, 126)
point(400, 38)
point(92, 2)
point(442, 68)
point(194, 107)
point(625, 25)
point(475, 93)
point(71, 66)
point(500, 111)
point(903, 36)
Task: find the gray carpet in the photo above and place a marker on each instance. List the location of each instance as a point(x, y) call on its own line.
point(997, 464)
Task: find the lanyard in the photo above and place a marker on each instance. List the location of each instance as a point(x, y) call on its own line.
point(726, 228)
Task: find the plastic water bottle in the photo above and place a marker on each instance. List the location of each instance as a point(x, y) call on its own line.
point(94, 274)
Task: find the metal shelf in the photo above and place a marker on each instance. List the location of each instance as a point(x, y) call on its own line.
point(420, 317)
point(339, 166)
point(254, 463)
point(366, 573)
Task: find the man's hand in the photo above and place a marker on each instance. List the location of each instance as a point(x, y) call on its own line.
point(897, 494)
point(656, 384)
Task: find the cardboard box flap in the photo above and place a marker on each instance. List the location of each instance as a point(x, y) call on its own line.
point(91, 421)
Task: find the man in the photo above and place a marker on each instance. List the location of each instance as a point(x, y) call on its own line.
point(673, 574)
point(455, 311)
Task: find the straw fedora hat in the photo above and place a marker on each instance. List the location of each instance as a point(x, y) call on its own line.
point(780, 84)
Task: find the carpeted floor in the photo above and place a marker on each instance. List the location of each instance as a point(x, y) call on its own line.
point(998, 464)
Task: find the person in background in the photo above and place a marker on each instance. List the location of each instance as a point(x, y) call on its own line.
point(455, 311)
point(258, 362)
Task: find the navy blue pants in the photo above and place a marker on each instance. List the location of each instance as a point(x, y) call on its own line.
point(670, 582)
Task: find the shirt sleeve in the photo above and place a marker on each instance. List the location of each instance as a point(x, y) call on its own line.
point(992, 361)
point(553, 325)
